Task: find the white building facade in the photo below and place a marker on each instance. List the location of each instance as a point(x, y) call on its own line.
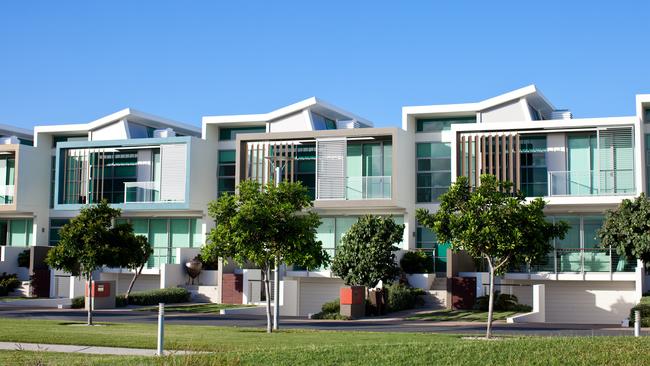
point(162, 174)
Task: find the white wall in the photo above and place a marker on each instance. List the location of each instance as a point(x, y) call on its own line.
point(9, 262)
point(33, 193)
point(114, 131)
point(314, 292)
point(507, 112)
point(296, 122)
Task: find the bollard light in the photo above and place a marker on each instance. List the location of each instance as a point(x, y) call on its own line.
point(637, 323)
point(161, 326)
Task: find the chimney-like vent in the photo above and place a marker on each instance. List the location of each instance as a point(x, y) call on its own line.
point(561, 114)
point(164, 133)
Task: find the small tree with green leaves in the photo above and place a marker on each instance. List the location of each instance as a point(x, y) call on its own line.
point(627, 229)
point(367, 252)
point(139, 252)
point(265, 225)
point(493, 223)
point(91, 241)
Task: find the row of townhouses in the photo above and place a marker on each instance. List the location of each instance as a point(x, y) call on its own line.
point(162, 174)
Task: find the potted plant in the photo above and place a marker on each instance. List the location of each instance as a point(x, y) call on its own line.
point(418, 267)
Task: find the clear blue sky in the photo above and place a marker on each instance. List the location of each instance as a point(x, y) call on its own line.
point(74, 61)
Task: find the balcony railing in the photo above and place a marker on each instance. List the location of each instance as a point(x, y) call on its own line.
point(577, 260)
point(355, 188)
point(591, 183)
point(6, 194)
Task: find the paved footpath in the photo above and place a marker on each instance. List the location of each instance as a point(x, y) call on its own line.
point(118, 351)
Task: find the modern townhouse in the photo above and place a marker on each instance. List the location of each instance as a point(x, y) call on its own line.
point(152, 168)
point(163, 174)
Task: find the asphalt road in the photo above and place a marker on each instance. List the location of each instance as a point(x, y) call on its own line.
point(373, 324)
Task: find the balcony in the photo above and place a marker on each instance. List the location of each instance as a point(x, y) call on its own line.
point(591, 183)
point(7, 194)
point(578, 260)
point(355, 188)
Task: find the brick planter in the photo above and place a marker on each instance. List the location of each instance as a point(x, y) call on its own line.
point(353, 302)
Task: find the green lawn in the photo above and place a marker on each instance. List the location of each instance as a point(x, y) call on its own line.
point(298, 347)
point(461, 315)
point(14, 298)
point(198, 308)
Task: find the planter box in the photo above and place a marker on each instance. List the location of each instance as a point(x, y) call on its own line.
point(421, 280)
point(353, 302)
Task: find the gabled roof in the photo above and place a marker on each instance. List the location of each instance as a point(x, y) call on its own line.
point(128, 114)
point(530, 92)
point(313, 103)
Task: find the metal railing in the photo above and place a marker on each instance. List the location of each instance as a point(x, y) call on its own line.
point(579, 260)
point(142, 192)
point(6, 194)
point(591, 183)
point(355, 188)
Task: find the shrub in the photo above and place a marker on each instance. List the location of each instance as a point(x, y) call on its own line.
point(502, 302)
point(330, 310)
point(644, 307)
point(8, 283)
point(23, 259)
point(153, 297)
point(146, 298)
point(78, 302)
point(416, 262)
point(403, 297)
point(208, 265)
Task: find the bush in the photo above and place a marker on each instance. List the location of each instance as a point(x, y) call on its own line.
point(78, 302)
point(416, 262)
point(153, 297)
point(145, 298)
point(644, 307)
point(8, 283)
point(502, 302)
point(330, 310)
point(402, 297)
point(23, 259)
point(208, 265)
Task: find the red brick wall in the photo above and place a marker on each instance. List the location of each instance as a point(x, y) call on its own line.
point(232, 289)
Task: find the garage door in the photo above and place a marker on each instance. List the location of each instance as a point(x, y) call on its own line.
point(588, 302)
point(314, 292)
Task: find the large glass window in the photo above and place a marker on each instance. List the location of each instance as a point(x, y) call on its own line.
point(231, 133)
point(369, 170)
point(305, 170)
point(55, 227)
point(322, 123)
point(16, 232)
point(441, 124)
point(7, 175)
point(433, 170)
point(426, 241)
point(534, 173)
point(226, 172)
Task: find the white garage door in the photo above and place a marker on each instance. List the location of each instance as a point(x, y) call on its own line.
point(588, 302)
point(316, 291)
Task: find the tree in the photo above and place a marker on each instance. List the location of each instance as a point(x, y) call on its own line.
point(495, 223)
point(140, 251)
point(366, 254)
point(627, 229)
point(264, 225)
point(91, 241)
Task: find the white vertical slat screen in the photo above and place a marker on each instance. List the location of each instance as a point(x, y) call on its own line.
point(330, 168)
point(173, 171)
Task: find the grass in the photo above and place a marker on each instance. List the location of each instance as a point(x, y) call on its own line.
point(14, 298)
point(254, 346)
point(196, 308)
point(461, 315)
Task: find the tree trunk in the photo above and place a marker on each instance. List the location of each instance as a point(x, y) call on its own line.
point(267, 289)
point(135, 277)
point(90, 300)
point(488, 334)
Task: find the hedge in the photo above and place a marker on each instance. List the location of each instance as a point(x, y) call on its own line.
point(8, 283)
point(145, 298)
point(416, 262)
point(644, 307)
point(402, 297)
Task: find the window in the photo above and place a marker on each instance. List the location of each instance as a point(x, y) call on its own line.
point(55, 226)
point(57, 139)
point(226, 172)
point(306, 167)
point(646, 115)
point(433, 170)
point(167, 234)
point(16, 232)
point(426, 241)
point(231, 133)
point(534, 173)
point(441, 124)
point(322, 122)
point(647, 163)
point(7, 175)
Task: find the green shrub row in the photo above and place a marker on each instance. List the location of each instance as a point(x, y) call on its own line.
point(144, 298)
point(644, 307)
point(330, 310)
point(403, 297)
point(502, 302)
point(8, 283)
point(416, 262)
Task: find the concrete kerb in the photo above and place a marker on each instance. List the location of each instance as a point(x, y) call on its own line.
point(97, 350)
